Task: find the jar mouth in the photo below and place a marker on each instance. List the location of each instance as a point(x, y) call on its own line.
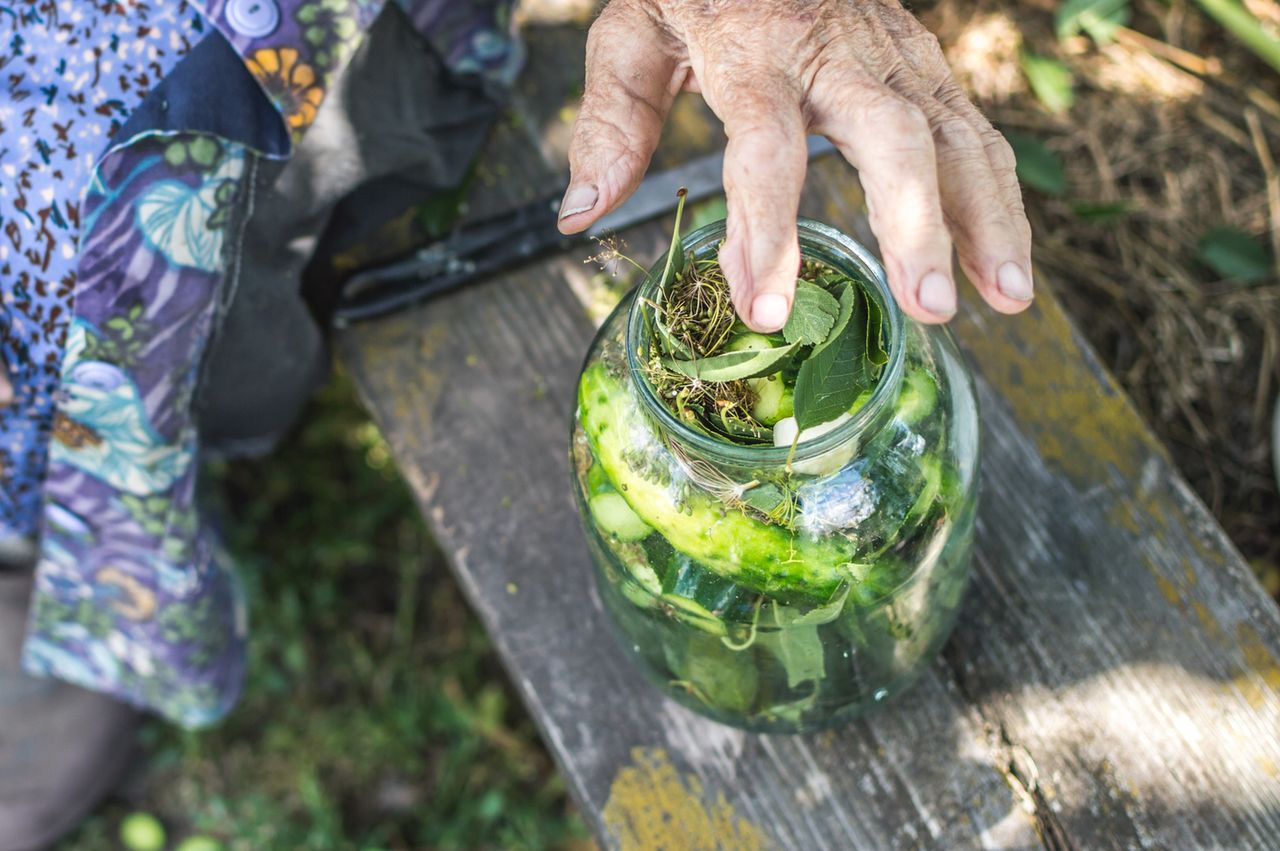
point(820, 242)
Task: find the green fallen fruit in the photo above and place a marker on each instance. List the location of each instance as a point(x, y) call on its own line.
point(142, 832)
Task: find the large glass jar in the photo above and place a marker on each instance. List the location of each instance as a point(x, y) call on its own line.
point(801, 617)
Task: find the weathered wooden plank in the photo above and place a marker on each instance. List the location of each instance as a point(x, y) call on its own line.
point(1113, 681)
point(490, 467)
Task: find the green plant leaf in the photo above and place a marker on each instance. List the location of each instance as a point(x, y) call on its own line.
point(1038, 167)
point(1051, 81)
point(674, 346)
point(817, 616)
point(1245, 26)
point(1099, 18)
point(1234, 254)
point(813, 312)
point(799, 649)
point(1102, 212)
point(675, 252)
point(733, 366)
point(723, 678)
point(831, 378)
point(765, 498)
point(876, 354)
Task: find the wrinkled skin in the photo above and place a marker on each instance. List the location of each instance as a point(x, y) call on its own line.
point(864, 73)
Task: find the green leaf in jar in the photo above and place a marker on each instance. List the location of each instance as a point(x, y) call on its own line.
point(815, 616)
point(733, 366)
point(675, 254)
point(673, 344)
point(1099, 18)
point(876, 354)
point(716, 674)
point(813, 313)
point(831, 378)
point(799, 649)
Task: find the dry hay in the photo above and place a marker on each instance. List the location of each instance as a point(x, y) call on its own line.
point(1182, 124)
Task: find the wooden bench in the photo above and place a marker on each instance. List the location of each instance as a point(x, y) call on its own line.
point(1114, 680)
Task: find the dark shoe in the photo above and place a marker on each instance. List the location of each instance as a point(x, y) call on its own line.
point(62, 748)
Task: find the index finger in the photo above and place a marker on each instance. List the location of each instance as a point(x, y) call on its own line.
point(764, 168)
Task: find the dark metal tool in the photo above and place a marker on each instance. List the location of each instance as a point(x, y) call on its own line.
point(478, 249)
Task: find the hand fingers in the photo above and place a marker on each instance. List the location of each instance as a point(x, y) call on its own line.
point(631, 81)
point(889, 140)
point(981, 197)
point(1001, 158)
point(764, 167)
point(994, 253)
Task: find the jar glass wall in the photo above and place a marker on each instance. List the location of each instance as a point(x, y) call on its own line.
point(770, 589)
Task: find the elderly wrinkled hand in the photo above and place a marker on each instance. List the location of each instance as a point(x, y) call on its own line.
point(864, 73)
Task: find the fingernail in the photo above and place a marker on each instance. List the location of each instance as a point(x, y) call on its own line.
point(1014, 282)
point(578, 199)
point(769, 311)
point(937, 295)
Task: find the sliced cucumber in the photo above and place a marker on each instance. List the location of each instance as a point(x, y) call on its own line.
point(615, 517)
point(774, 400)
point(917, 398)
point(760, 556)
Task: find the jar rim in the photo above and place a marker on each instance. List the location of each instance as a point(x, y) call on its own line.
point(821, 242)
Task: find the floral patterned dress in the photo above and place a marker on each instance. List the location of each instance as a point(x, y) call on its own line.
point(117, 193)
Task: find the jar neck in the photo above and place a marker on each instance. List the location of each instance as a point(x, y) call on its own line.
point(817, 242)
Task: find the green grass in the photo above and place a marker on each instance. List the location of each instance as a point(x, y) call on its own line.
point(375, 714)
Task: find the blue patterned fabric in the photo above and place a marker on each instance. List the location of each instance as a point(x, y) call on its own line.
point(122, 172)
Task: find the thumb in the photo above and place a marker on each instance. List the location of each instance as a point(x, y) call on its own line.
point(630, 84)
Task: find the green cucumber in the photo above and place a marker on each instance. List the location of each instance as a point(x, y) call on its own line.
point(749, 343)
point(774, 399)
point(767, 558)
point(917, 398)
point(615, 517)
